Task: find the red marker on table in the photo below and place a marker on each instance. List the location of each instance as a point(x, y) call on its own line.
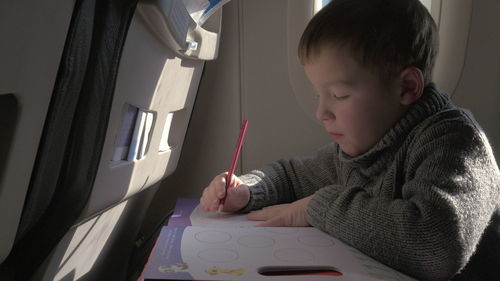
point(237, 151)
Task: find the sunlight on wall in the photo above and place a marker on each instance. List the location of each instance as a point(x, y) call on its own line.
point(87, 242)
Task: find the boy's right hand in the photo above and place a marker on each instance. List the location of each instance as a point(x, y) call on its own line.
point(238, 194)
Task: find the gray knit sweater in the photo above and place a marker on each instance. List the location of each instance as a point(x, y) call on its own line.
point(424, 200)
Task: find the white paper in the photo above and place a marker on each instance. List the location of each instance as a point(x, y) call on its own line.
point(200, 218)
point(235, 253)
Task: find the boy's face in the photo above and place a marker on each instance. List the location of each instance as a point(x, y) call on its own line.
point(355, 107)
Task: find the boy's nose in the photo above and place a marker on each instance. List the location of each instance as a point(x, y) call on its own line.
point(323, 113)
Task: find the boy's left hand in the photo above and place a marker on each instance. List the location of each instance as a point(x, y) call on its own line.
point(292, 214)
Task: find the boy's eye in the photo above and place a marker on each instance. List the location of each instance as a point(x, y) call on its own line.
point(340, 96)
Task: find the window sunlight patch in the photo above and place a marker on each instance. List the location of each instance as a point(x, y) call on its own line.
point(427, 4)
point(319, 4)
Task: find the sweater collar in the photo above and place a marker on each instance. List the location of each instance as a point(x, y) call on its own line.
point(431, 102)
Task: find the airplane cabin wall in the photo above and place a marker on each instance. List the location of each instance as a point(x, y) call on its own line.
point(477, 86)
point(249, 80)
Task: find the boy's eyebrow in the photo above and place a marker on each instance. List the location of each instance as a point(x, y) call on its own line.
point(343, 82)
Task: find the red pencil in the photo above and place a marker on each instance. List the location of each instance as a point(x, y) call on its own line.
point(236, 153)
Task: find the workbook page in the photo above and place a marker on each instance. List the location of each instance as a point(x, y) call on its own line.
point(188, 212)
point(260, 253)
point(200, 218)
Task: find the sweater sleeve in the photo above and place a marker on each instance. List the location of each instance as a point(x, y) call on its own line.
point(288, 180)
point(449, 192)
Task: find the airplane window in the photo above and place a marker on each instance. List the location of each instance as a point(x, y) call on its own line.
point(427, 4)
point(319, 4)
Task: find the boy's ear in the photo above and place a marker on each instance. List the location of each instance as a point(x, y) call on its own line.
point(412, 85)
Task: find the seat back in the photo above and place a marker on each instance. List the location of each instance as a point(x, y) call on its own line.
point(113, 125)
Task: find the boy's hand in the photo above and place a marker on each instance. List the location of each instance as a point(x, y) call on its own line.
point(292, 214)
point(238, 194)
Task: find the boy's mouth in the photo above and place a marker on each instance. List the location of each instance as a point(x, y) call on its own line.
point(335, 136)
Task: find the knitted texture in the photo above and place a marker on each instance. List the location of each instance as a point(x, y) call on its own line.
point(423, 200)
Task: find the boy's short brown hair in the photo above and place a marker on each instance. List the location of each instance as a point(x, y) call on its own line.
point(384, 35)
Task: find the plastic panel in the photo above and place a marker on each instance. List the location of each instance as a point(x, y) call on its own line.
point(152, 78)
point(454, 25)
point(172, 25)
point(28, 71)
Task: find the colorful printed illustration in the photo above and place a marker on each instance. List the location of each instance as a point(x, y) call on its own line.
point(214, 270)
point(173, 268)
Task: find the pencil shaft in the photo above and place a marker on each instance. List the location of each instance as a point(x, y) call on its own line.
point(237, 150)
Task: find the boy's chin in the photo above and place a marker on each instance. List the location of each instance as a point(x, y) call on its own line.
point(350, 151)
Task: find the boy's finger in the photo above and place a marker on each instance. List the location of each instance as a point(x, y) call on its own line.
point(221, 191)
point(204, 193)
point(203, 203)
point(275, 221)
point(220, 188)
point(275, 207)
point(254, 216)
point(214, 205)
point(213, 190)
point(211, 194)
point(260, 215)
point(207, 204)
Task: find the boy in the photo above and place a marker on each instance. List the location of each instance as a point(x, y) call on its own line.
point(410, 179)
